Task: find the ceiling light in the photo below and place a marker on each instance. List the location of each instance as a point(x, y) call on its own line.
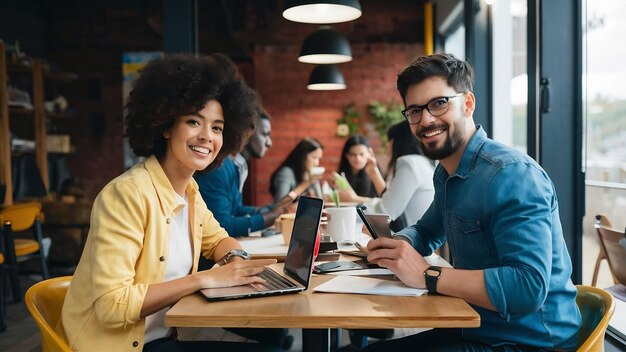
point(325, 46)
point(322, 11)
point(326, 77)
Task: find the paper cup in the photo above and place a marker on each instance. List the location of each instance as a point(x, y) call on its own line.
point(286, 226)
point(342, 224)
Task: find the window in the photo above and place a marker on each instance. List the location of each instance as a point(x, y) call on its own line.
point(604, 100)
point(510, 81)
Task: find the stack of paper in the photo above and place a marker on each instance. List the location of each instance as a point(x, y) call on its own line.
point(368, 286)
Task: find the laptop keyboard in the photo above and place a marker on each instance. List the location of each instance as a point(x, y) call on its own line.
point(274, 281)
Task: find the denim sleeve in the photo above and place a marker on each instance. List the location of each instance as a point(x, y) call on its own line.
point(428, 234)
point(224, 202)
point(521, 199)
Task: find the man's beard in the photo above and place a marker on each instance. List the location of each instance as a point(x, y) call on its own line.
point(450, 145)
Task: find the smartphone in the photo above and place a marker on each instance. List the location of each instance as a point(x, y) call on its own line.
point(368, 223)
point(340, 265)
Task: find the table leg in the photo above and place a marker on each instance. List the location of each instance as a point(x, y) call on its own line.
point(315, 340)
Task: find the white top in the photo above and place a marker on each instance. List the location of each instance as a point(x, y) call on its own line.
point(410, 188)
point(179, 264)
point(242, 166)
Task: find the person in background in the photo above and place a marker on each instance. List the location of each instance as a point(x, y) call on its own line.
point(149, 226)
point(357, 163)
point(498, 210)
point(221, 188)
point(409, 189)
point(221, 191)
point(294, 176)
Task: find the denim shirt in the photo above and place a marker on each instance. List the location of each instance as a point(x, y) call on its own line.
point(221, 193)
point(499, 212)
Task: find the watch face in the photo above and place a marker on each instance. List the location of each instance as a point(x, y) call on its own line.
point(239, 253)
point(432, 272)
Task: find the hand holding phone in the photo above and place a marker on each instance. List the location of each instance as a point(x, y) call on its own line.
point(368, 224)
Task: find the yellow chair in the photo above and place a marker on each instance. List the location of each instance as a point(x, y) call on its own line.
point(16, 218)
point(44, 301)
point(596, 307)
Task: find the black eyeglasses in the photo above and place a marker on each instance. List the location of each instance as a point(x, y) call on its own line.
point(436, 107)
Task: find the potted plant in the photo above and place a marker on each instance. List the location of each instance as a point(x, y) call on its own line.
point(349, 123)
point(384, 117)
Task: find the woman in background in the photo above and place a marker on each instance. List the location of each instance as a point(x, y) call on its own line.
point(409, 188)
point(358, 165)
point(149, 226)
point(294, 176)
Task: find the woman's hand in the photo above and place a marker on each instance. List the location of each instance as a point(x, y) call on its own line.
point(372, 170)
point(372, 163)
point(233, 274)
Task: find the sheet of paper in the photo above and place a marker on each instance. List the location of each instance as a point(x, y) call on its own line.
point(436, 259)
point(368, 286)
point(617, 324)
point(363, 272)
point(264, 245)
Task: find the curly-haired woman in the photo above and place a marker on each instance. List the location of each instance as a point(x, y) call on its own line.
point(149, 226)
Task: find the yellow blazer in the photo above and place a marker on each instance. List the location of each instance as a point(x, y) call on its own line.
point(127, 250)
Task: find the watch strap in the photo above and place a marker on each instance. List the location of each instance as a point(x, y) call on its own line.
point(234, 253)
point(431, 280)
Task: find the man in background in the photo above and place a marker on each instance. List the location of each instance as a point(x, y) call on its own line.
point(222, 188)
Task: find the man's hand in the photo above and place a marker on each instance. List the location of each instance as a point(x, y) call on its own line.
point(399, 257)
point(269, 217)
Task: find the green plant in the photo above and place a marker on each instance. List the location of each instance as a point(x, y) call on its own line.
point(384, 117)
point(350, 122)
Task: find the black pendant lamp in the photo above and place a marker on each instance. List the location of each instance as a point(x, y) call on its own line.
point(322, 11)
point(326, 77)
point(325, 46)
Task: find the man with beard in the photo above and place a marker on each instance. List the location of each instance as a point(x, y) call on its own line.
point(221, 188)
point(498, 210)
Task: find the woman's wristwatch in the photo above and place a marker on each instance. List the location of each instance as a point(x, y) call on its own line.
point(234, 253)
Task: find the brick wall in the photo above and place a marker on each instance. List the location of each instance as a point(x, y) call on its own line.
point(297, 112)
point(89, 39)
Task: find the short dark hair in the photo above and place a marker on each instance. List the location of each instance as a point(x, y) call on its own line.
point(457, 73)
point(181, 84)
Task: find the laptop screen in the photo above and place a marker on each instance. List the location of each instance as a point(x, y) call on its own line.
point(299, 260)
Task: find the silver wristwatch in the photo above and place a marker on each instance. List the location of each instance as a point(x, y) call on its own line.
point(234, 253)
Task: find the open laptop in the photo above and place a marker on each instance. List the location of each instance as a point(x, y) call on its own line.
point(298, 263)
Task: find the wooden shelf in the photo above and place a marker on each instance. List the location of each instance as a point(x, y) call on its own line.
point(61, 76)
point(13, 110)
point(17, 153)
point(22, 68)
point(38, 72)
point(14, 67)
